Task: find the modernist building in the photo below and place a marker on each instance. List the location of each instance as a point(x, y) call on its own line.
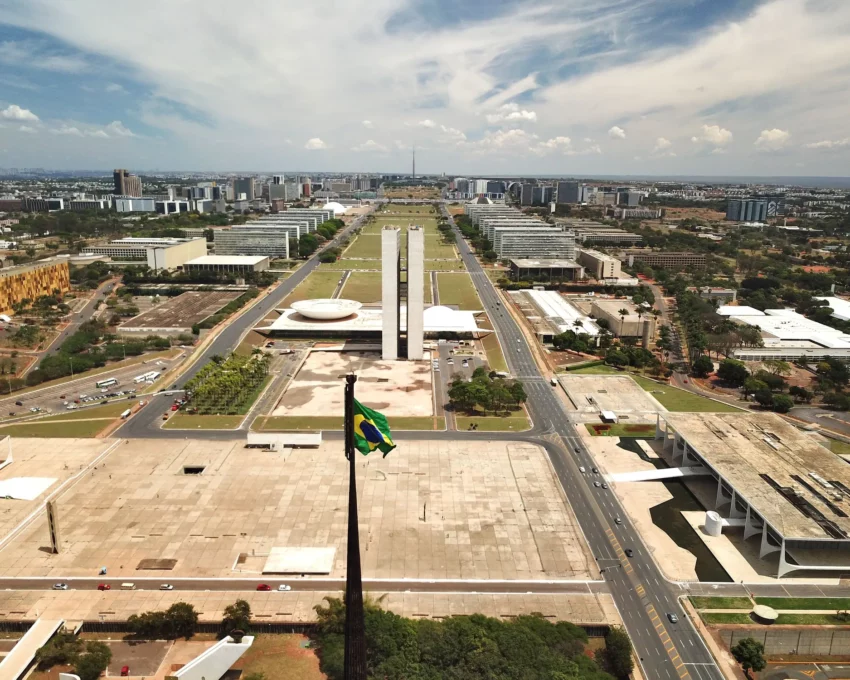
point(250, 241)
point(228, 263)
point(32, 281)
point(545, 270)
point(754, 210)
point(775, 483)
point(569, 192)
point(158, 253)
point(665, 260)
point(393, 291)
point(244, 185)
point(537, 242)
point(126, 184)
point(599, 265)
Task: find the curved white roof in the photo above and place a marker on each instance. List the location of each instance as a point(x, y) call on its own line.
point(338, 208)
point(326, 308)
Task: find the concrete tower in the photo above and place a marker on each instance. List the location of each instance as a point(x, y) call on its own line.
point(415, 293)
point(390, 299)
point(414, 162)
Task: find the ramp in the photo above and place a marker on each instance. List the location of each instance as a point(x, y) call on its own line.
point(22, 655)
point(651, 475)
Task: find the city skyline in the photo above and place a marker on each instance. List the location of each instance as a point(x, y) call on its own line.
point(574, 87)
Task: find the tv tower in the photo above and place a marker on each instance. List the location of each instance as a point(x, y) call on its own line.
point(414, 162)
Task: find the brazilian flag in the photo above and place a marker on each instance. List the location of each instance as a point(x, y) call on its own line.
point(371, 431)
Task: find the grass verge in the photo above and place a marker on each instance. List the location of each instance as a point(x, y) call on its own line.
point(280, 657)
point(839, 447)
point(69, 429)
point(494, 423)
point(457, 289)
point(319, 284)
point(187, 421)
point(811, 620)
point(285, 423)
point(726, 618)
point(495, 356)
point(621, 429)
point(721, 602)
point(805, 602)
point(674, 399)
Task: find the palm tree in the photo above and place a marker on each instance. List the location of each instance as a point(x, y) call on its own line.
point(623, 314)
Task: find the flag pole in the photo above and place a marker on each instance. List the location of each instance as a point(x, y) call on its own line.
point(355, 628)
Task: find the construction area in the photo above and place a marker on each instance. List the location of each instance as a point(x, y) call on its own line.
point(178, 314)
point(590, 395)
point(213, 509)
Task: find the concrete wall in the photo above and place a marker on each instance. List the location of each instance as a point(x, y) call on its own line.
point(415, 292)
point(390, 244)
point(215, 661)
point(788, 640)
point(171, 257)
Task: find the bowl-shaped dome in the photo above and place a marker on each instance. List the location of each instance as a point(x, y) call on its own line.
point(326, 308)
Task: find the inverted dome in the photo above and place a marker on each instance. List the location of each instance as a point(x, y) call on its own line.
point(338, 208)
point(326, 308)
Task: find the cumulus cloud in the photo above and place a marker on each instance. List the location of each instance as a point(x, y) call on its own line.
point(367, 124)
point(29, 130)
point(15, 112)
point(662, 143)
point(772, 140)
point(97, 134)
point(115, 87)
point(369, 145)
point(427, 123)
point(117, 129)
point(713, 134)
point(501, 140)
point(829, 144)
point(453, 133)
point(511, 113)
point(315, 143)
point(617, 132)
point(67, 130)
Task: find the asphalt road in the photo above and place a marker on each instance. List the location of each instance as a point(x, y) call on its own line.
point(145, 424)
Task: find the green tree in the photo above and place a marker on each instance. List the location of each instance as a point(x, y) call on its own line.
point(616, 656)
point(777, 367)
point(94, 662)
point(750, 654)
point(782, 403)
point(732, 371)
point(702, 366)
point(62, 648)
point(237, 616)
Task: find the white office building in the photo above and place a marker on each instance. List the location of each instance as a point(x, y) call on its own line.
point(390, 284)
point(242, 240)
point(391, 292)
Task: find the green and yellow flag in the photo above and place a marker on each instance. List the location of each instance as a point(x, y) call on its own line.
point(371, 431)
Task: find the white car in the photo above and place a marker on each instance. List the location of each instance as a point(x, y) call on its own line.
point(166, 586)
point(582, 469)
point(60, 586)
point(284, 588)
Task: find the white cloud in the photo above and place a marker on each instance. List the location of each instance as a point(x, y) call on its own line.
point(662, 143)
point(16, 53)
point(29, 130)
point(829, 144)
point(67, 130)
point(368, 124)
point(115, 87)
point(713, 134)
point(772, 140)
point(588, 140)
point(617, 132)
point(427, 123)
point(501, 140)
point(117, 129)
point(99, 134)
point(453, 133)
point(511, 113)
point(15, 112)
point(369, 145)
point(315, 143)
point(561, 143)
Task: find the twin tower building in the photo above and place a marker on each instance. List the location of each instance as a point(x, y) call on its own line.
point(403, 294)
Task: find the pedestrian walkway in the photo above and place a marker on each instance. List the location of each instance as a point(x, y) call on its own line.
point(22, 655)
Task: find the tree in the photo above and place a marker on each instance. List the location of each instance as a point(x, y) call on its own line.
point(91, 665)
point(237, 616)
point(616, 656)
point(732, 371)
point(800, 393)
point(702, 366)
point(62, 648)
point(750, 654)
point(782, 403)
point(777, 367)
point(764, 397)
point(623, 313)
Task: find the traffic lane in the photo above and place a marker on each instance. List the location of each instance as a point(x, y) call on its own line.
point(309, 583)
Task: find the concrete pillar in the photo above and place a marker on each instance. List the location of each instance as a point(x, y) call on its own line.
point(415, 293)
point(721, 498)
point(733, 510)
point(751, 525)
point(390, 261)
point(766, 548)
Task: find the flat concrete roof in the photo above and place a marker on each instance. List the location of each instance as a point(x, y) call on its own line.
point(747, 448)
point(552, 264)
point(228, 259)
point(617, 393)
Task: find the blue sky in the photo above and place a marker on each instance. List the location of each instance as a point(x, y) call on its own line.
point(485, 87)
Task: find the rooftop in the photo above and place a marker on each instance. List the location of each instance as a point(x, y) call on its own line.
point(788, 328)
point(244, 260)
point(560, 313)
point(554, 264)
point(748, 449)
point(839, 306)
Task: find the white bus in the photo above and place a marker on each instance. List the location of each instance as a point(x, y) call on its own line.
point(126, 414)
point(109, 382)
point(145, 377)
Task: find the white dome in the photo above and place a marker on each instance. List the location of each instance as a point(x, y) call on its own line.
point(338, 208)
point(326, 308)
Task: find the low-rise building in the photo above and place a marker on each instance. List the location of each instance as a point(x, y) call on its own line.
point(229, 263)
point(32, 281)
point(624, 318)
point(548, 270)
point(157, 253)
point(551, 314)
point(599, 265)
point(724, 295)
point(607, 235)
point(666, 260)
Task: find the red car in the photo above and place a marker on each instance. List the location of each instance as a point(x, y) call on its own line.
point(104, 586)
point(125, 671)
point(264, 586)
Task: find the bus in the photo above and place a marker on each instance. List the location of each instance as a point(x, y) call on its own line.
point(150, 375)
point(109, 382)
point(126, 414)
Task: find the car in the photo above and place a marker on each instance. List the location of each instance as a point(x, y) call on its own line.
point(60, 586)
point(517, 339)
point(618, 520)
point(596, 470)
point(519, 349)
point(11, 413)
point(604, 485)
point(264, 586)
point(284, 588)
point(125, 671)
point(577, 450)
point(105, 401)
point(596, 484)
point(450, 361)
point(630, 552)
point(19, 403)
point(166, 586)
point(437, 369)
point(582, 469)
point(61, 396)
point(175, 407)
point(104, 586)
point(673, 618)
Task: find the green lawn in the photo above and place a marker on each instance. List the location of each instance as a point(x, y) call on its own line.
point(722, 602)
point(811, 620)
point(367, 246)
point(495, 356)
point(839, 447)
point(457, 289)
point(319, 284)
point(71, 429)
point(284, 423)
point(444, 265)
point(674, 399)
point(280, 657)
point(435, 248)
point(621, 429)
point(602, 369)
point(398, 424)
point(726, 618)
point(186, 421)
point(366, 287)
point(494, 423)
point(805, 602)
point(354, 265)
point(112, 410)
